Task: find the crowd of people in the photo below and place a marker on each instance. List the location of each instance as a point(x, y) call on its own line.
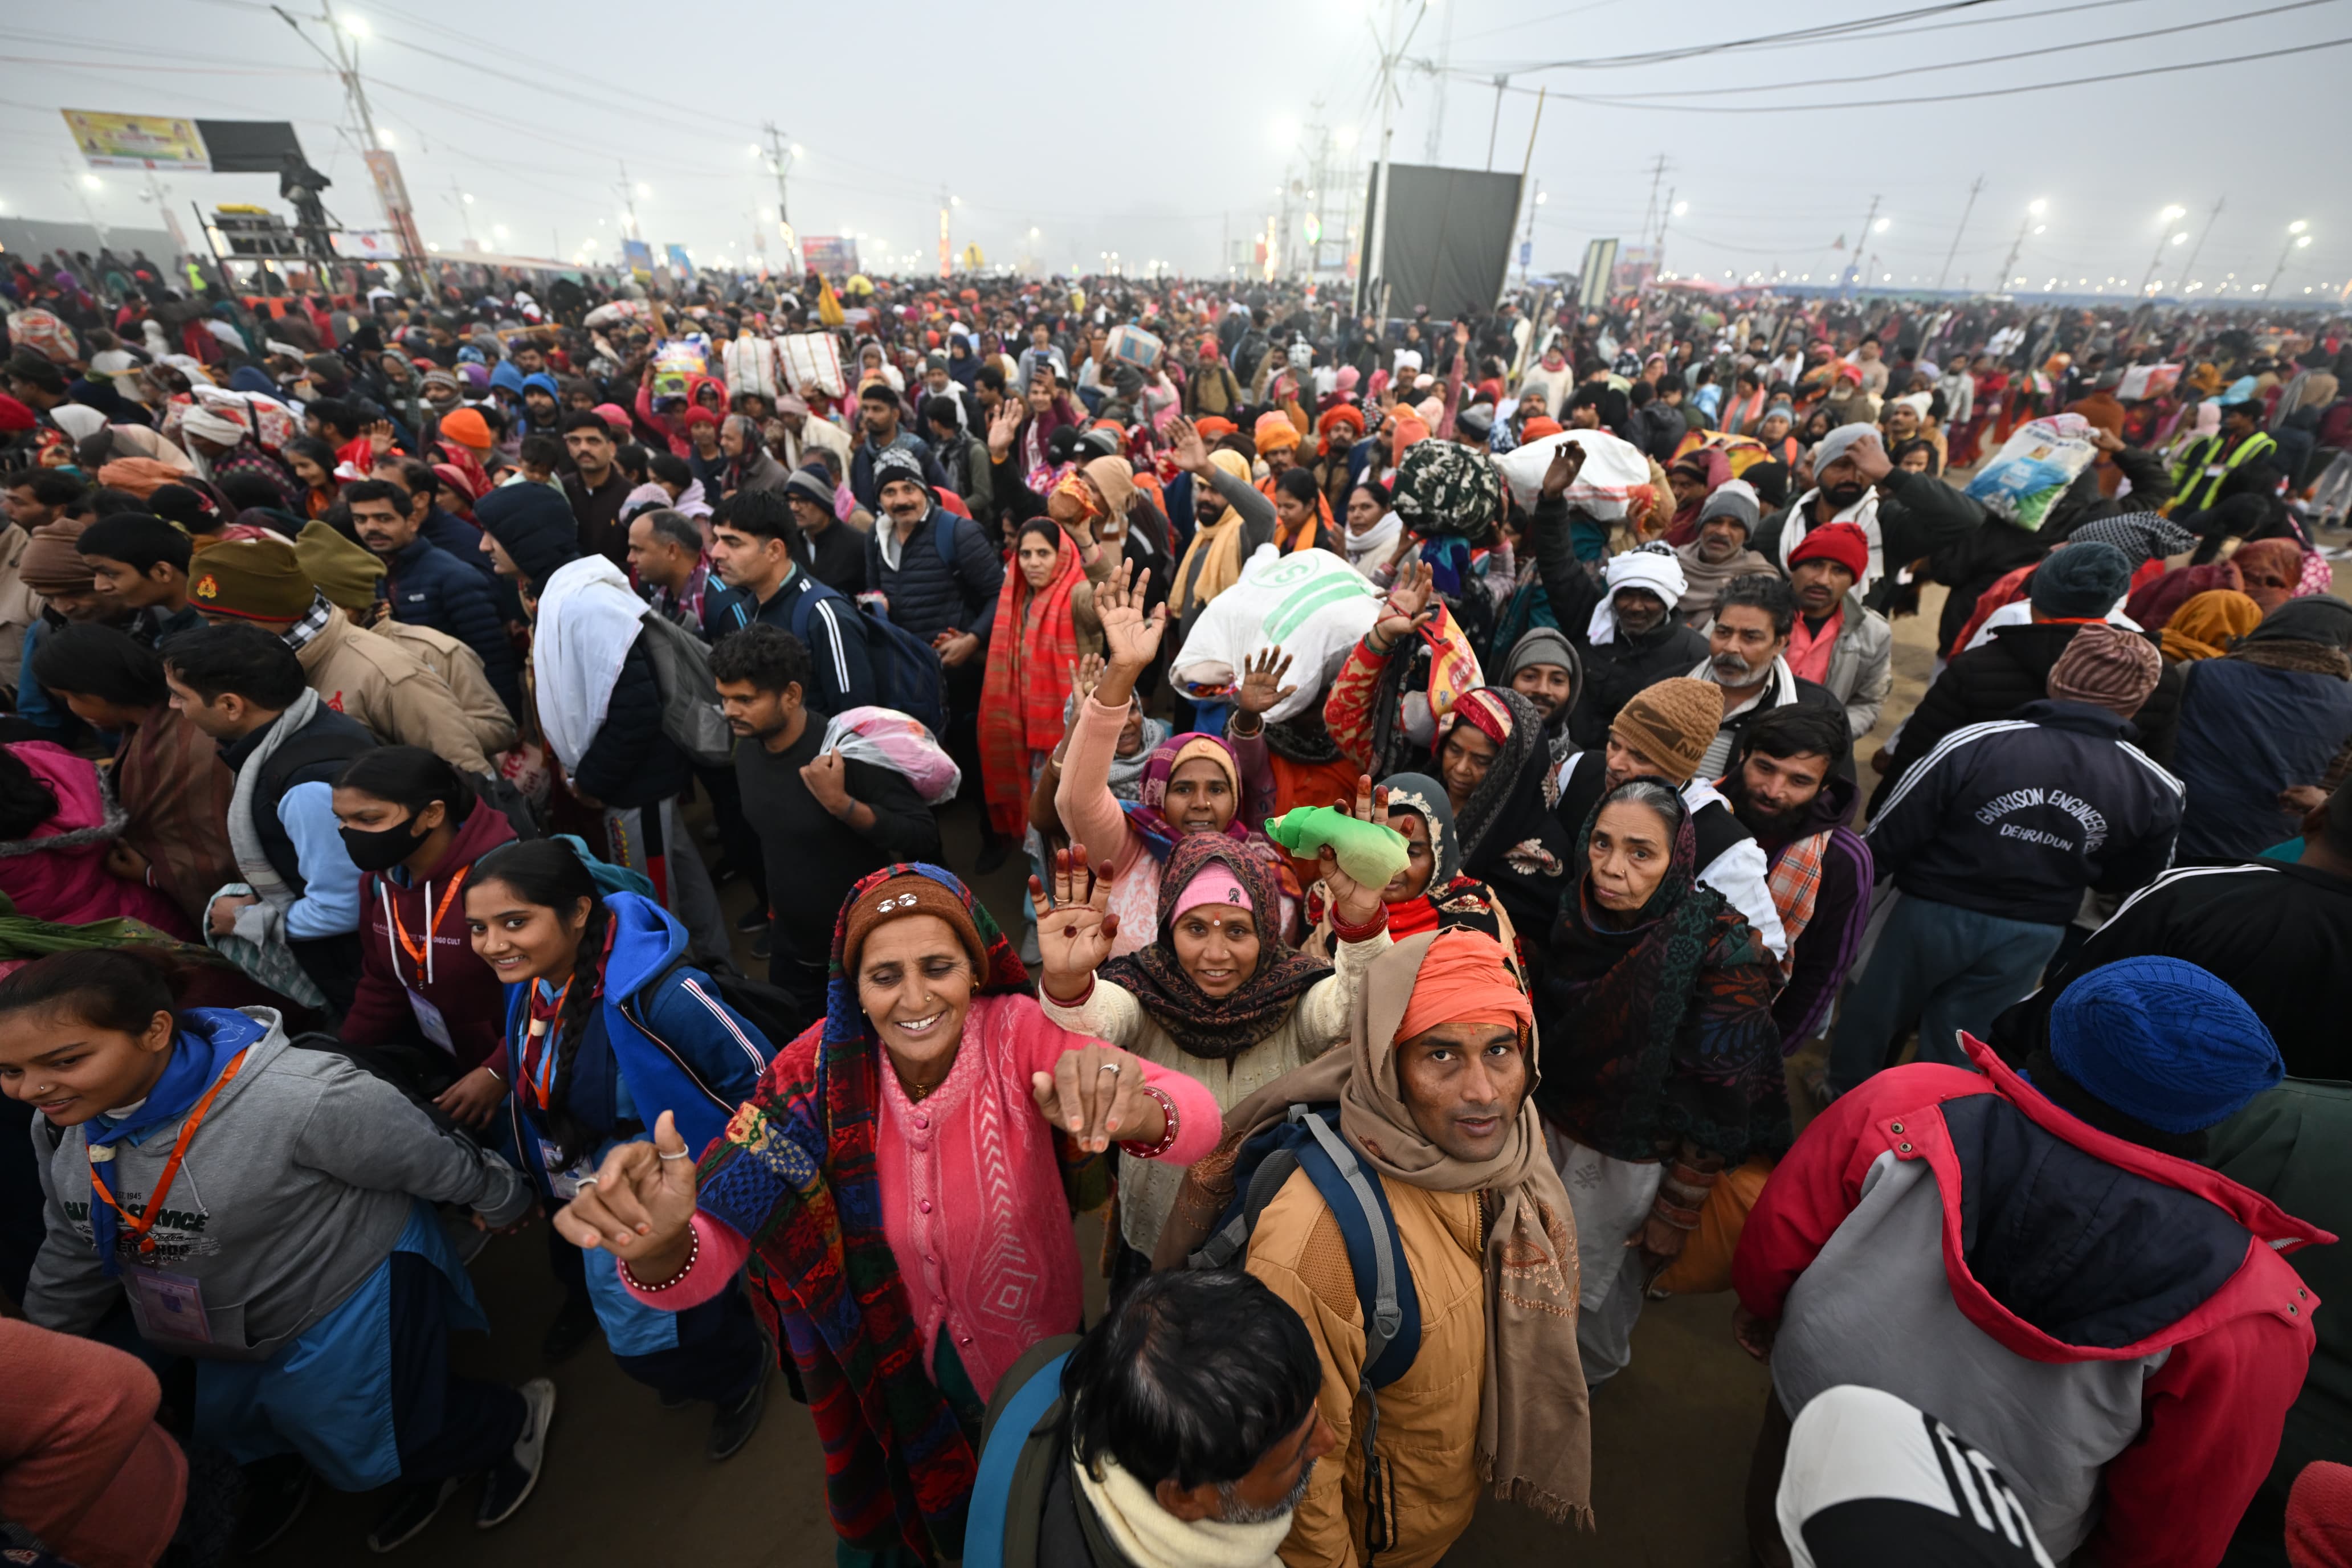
point(1537, 904)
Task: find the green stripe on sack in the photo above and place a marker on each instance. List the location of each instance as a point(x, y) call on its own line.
point(1295, 611)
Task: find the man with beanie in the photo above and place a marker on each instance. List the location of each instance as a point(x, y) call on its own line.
point(1835, 643)
point(1665, 731)
point(2039, 1258)
point(1991, 839)
point(1624, 629)
point(1903, 517)
point(2075, 588)
point(1726, 521)
point(827, 547)
point(1542, 666)
point(355, 671)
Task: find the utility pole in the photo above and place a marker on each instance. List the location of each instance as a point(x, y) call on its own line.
point(1942, 276)
point(1437, 108)
point(2199, 248)
point(1854, 266)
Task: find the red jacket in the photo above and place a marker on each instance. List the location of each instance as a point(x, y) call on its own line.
point(461, 986)
point(2214, 1294)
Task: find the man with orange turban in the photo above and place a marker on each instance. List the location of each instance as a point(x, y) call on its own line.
point(1432, 1095)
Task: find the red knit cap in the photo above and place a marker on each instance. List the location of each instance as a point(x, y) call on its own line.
point(1843, 542)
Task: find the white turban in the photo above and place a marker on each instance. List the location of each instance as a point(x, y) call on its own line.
point(1654, 567)
point(211, 427)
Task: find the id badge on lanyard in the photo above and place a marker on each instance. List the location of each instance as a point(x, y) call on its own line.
point(168, 1306)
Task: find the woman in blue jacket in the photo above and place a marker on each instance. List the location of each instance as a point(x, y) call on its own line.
point(607, 1026)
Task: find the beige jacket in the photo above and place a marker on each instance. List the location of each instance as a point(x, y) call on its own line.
point(460, 668)
point(388, 688)
point(1318, 1021)
point(1428, 1439)
point(19, 606)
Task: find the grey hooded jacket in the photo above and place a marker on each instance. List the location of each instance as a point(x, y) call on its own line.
point(290, 1196)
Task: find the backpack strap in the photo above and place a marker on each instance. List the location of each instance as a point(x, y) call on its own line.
point(983, 1530)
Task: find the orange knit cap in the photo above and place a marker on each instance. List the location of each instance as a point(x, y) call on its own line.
point(1464, 980)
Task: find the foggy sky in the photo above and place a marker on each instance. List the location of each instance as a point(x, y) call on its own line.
point(1155, 131)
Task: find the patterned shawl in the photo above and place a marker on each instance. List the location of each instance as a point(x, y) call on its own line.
point(1217, 1026)
point(1662, 1030)
point(1032, 650)
point(795, 1175)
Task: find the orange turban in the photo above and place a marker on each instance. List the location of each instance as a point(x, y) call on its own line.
point(1464, 980)
point(1275, 432)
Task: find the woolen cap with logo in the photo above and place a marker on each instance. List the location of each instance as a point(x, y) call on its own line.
point(252, 579)
point(1672, 724)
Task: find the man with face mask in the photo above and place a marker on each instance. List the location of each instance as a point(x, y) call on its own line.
point(1905, 517)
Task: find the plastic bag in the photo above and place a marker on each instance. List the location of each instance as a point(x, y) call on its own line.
point(889, 738)
point(1614, 480)
point(1311, 602)
point(2033, 468)
point(812, 364)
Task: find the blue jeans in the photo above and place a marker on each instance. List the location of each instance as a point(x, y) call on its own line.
point(1945, 968)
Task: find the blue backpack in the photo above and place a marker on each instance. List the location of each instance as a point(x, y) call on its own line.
point(1308, 1138)
point(906, 670)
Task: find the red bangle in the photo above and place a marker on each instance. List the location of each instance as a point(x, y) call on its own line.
point(693, 1251)
point(1167, 1137)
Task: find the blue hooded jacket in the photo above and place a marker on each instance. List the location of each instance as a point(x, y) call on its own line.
point(662, 1040)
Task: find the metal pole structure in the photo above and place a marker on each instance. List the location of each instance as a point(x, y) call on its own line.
point(1945, 276)
point(1853, 268)
point(2198, 249)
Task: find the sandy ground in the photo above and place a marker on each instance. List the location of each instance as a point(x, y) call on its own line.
point(627, 1482)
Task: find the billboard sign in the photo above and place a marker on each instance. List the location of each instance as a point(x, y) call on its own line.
point(137, 141)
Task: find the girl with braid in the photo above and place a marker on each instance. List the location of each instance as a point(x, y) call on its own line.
point(607, 1027)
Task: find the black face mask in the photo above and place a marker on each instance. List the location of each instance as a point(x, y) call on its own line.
point(382, 850)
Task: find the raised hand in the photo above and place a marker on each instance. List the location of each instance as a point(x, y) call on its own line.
point(1260, 688)
point(1132, 636)
point(1094, 1093)
point(1074, 927)
point(639, 1205)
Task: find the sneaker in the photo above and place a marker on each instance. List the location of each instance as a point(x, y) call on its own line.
point(412, 1509)
point(574, 1326)
point(733, 1425)
point(751, 922)
point(276, 1491)
point(510, 1480)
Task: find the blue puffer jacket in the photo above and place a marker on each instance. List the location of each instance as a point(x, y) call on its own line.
point(631, 762)
point(2248, 732)
point(430, 587)
point(928, 595)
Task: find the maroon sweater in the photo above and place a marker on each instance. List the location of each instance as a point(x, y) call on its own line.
point(468, 996)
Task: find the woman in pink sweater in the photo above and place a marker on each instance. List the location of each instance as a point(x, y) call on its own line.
point(1193, 784)
point(897, 1186)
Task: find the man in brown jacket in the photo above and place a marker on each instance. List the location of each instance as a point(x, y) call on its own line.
point(355, 671)
point(1434, 1095)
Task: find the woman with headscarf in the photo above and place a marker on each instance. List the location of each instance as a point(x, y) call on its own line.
point(2270, 716)
point(1215, 993)
point(1431, 893)
point(1494, 761)
point(1666, 1068)
point(2207, 626)
point(898, 1184)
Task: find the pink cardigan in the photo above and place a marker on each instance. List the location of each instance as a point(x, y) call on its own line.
point(972, 1195)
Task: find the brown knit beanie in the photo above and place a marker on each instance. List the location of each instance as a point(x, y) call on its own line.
point(2108, 668)
point(911, 894)
point(1672, 724)
point(50, 563)
point(252, 579)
